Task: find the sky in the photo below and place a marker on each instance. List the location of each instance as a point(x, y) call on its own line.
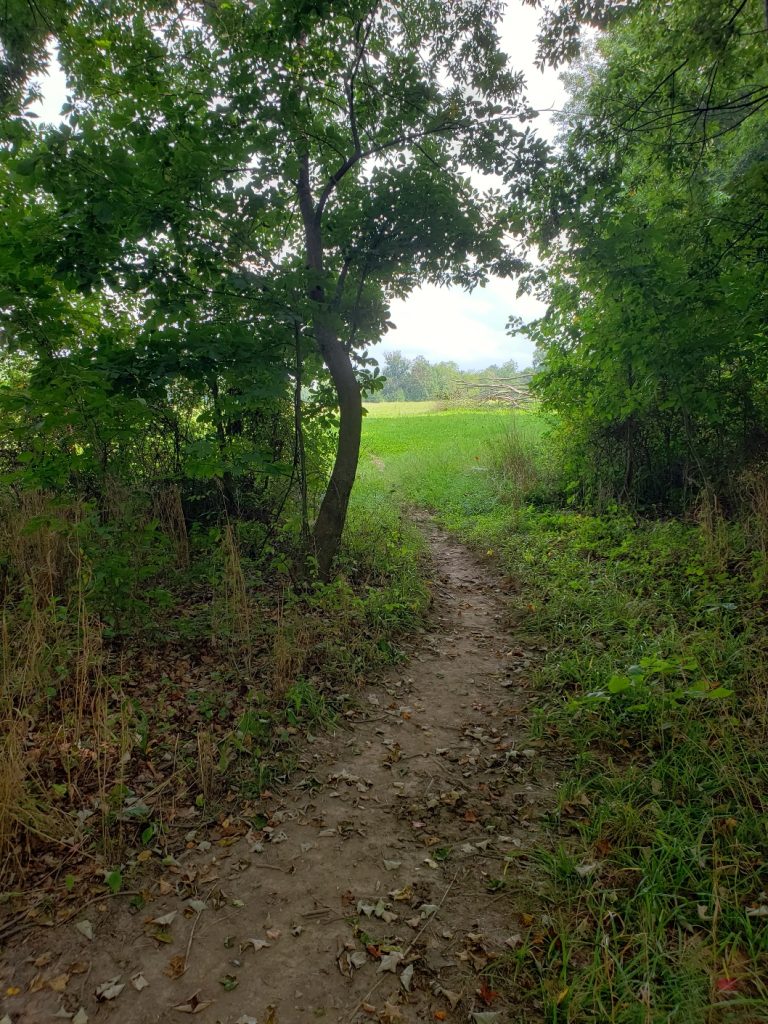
point(449, 323)
point(469, 328)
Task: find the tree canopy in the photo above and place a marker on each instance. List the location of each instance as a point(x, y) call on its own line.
point(233, 196)
point(654, 223)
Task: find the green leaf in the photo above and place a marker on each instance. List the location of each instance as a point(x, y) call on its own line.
point(114, 880)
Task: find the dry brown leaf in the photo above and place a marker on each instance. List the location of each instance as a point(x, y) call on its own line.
point(175, 966)
point(193, 1005)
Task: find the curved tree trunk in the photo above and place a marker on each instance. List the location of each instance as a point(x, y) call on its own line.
point(329, 524)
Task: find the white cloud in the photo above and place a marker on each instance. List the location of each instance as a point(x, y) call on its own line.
point(450, 324)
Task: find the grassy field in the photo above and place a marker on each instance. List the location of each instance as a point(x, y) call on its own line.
point(444, 461)
point(385, 410)
point(653, 681)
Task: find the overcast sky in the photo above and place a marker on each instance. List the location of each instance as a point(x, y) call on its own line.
point(448, 323)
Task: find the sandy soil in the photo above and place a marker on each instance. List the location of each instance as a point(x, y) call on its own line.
point(391, 881)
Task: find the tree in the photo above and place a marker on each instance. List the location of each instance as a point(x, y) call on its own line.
point(194, 142)
point(654, 226)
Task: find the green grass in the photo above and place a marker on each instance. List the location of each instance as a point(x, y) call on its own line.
point(646, 625)
point(443, 461)
point(385, 410)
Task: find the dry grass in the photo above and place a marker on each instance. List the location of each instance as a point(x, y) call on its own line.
point(170, 513)
point(54, 716)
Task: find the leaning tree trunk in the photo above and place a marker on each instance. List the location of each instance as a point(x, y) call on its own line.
point(329, 524)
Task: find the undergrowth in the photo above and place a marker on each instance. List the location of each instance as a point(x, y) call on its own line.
point(151, 678)
point(653, 680)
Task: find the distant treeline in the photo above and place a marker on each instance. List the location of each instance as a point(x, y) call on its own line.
point(418, 380)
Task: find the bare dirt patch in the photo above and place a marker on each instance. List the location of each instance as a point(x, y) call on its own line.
point(393, 879)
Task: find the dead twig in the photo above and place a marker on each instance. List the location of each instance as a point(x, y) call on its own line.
point(194, 926)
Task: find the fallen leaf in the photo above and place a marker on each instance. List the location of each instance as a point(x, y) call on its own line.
point(585, 870)
point(454, 998)
point(256, 943)
point(37, 983)
point(229, 982)
point(197, 905)
point(273, 933)
point(440, 1015)
point(193, 1005)
point(85, 928)
point(175, 966)
point(43, 960)
point(486, 993)
point(727, 985)
point(166, 919)
point(390, 961)
point(109, 989)
point(59, 983)
point(406, 978)
point(392, 865)
point(139, 982)
point(79, 967)
point(81, 1017)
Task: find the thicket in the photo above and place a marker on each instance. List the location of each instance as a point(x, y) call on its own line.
point(653, 227)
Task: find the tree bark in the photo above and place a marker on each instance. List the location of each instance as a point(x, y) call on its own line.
point(329, 524)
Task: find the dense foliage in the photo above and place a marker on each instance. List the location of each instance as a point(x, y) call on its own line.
point(654, 226)
point(197, 257)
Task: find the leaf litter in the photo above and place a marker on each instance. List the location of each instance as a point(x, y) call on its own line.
point(475, 776)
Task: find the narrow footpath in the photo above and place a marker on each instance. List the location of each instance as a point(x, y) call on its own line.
point(393, 882)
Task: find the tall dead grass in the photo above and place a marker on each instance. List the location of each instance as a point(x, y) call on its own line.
point(54, 706)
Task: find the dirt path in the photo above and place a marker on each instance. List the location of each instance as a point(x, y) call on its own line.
point(380, 892)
